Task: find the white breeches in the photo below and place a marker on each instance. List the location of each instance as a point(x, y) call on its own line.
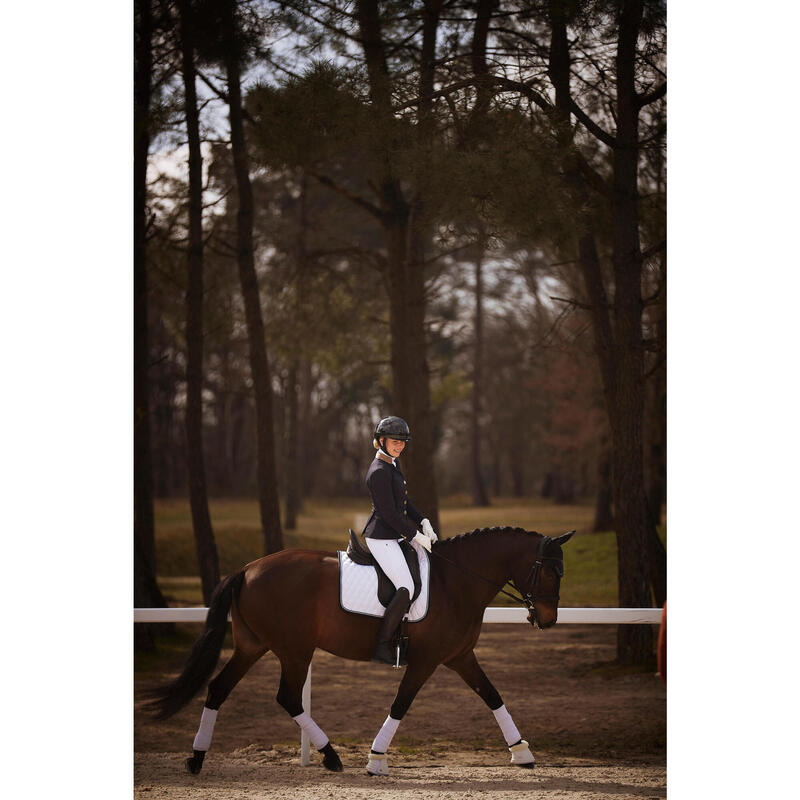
point(388, 554)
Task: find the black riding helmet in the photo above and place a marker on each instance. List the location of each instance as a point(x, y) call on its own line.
point(393, 428)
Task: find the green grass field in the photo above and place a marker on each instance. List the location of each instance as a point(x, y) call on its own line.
point(590, 558)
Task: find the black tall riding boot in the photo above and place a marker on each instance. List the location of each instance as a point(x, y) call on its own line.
point(395, 611)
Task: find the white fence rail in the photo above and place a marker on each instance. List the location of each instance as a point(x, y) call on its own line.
point(583, 616)
point(590, 616)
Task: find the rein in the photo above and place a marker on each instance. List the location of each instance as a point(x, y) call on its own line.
point(527, 599)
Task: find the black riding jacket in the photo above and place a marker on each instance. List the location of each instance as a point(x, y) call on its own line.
point(393, 514)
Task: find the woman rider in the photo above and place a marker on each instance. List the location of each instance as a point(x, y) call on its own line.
point(393, 518)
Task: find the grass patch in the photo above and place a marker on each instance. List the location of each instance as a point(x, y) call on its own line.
point(590, 559)
point(170, 649)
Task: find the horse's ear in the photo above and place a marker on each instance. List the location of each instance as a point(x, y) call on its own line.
point(565, 537)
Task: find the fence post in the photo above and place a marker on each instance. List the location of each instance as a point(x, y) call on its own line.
point(305, 750)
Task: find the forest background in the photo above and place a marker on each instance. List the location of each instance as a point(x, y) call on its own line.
point(450, 211)
point(66, 327)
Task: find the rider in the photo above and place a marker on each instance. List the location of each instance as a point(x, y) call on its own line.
point(393, 519)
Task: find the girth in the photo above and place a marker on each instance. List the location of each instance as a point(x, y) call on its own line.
point(359, 553)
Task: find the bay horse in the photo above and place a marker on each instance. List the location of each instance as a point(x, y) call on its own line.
point(288, 602)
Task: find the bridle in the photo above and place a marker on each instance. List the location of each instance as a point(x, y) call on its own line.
point(528, 598)
point(535, 571)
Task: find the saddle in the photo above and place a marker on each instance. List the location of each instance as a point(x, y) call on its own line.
point(359, 553)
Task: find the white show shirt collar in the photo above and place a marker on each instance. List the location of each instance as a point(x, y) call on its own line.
point(378, 457)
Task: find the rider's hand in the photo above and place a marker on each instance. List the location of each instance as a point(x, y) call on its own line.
point(422, 540)
point(427, 529)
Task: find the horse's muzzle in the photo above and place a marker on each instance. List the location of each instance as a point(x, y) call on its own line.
point(534, 620)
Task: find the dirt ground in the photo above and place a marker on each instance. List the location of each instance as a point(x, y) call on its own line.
point(593, 732)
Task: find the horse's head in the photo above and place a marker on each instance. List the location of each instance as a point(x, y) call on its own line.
point(540, 584)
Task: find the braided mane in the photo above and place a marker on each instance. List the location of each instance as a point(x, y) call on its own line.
point(494, 531)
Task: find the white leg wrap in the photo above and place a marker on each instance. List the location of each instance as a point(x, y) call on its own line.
point(378, 765)
point(507, 726)
point(202, 741)
point(385, 735)
point(315, 733)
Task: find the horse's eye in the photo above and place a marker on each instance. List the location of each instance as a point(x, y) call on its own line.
point(558, 566)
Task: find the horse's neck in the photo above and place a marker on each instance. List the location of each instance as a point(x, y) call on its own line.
point(487, 563)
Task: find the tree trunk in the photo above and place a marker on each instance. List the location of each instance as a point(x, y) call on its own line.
point(656, 494)
point(292, 450)
point(634, 524)
point(564, 487)
point(306, 460)
point(146, 593)
point(517, 468)
point(479, 496)
point(293, 489)
point(406, 231)
point(603, 514)
point(619, 349)
point(195, 460)
point(410, 375)
point(268, 501)
point(497, 477)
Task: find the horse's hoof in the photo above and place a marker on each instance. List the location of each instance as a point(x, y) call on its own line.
point(192, 766)
point(525, 766)
point(195, 763)
point(331, 759)
point(333, 764)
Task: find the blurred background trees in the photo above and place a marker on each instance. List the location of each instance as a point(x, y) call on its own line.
point(449, 211)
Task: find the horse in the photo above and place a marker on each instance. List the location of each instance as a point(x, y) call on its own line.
point(288, 603)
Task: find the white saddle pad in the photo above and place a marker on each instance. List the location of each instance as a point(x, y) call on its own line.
point(358, 587)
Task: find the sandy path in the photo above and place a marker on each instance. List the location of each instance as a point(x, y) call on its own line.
point(592, 735)
point(250, 773)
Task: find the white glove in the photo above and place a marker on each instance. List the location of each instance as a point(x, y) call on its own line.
point(423, 541)
point(427, 529)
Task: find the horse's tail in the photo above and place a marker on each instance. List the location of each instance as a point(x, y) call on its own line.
point(172, 697)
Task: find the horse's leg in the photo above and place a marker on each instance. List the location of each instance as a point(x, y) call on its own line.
point(468, 668)
point(415, 677)
point(218, 691)
point(290, 696)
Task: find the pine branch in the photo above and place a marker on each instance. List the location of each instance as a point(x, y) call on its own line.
point(447, 90)
point(571, 302)
point(594, 178)
point(591, 125)
point(659, 132)
point(352, 197)
point(653, 249)
point(659, 362)
point(221, 94)
point(643, 100)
